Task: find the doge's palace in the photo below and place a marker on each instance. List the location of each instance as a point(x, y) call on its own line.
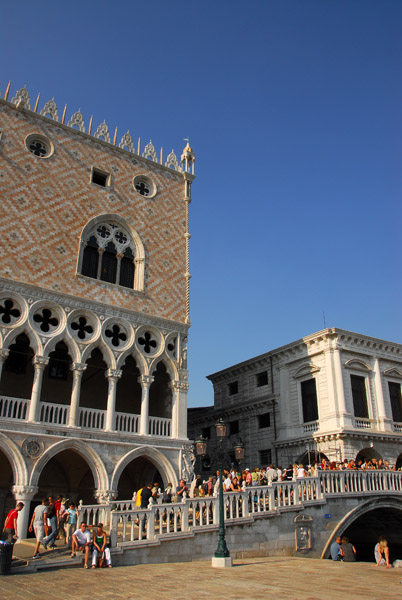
point(94, 307)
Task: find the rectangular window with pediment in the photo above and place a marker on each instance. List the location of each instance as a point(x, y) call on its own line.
point(359, 395)
point(395, 395)
point(309, 400)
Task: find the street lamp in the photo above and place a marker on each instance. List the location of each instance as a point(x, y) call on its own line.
point(239, 453)
point(221, 557)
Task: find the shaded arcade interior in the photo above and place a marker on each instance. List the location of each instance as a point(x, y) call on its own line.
point(18, 375)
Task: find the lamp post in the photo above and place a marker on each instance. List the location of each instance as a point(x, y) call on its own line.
point(221, 557)
point(239, 454)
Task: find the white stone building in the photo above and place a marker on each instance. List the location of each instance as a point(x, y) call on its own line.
point(94, 309)
point(333, 393)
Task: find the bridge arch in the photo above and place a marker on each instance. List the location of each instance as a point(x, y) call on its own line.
point(373, 504)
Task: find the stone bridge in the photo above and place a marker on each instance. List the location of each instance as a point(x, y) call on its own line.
point(292, 518)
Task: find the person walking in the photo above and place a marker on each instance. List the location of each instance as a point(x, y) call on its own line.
point(37, 524)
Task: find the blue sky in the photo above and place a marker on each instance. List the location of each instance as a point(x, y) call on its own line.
point(294, 111)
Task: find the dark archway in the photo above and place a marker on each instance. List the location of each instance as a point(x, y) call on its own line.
point(367, 454)
point(137, 474)
point(160, 393)
point(7, 501)
point(128, 392)
point(366, 529)
point(67, 474)
point(58, 378)
point(18, 370)
point(94, 384)
point(398, 464)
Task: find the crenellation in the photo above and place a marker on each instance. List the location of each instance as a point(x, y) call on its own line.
point(49, 111)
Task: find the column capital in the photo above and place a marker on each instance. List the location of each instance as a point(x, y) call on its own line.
point(24, 492)
point(113, 374)
point(4, 353)
point(145, 380)
point(180, 386)
point(105, 496)
point(40, 362)
point(80, 367)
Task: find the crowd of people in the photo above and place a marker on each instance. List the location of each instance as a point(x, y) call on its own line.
point(57, 519)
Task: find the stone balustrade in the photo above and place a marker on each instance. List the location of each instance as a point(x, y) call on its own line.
point(17, 409)
point(130, 524)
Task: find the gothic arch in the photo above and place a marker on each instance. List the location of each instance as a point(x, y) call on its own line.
point(71, 345)
point(93, 459)
point(107, 354)
point(155, 456)
point(16, 459)
point(355, 513)
point(137, 356)
point(170, 367)
point(34, 339)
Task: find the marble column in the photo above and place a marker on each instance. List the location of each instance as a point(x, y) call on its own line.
point(39, 363)
point(383, 421)
point(113, 376)
point(23, 493)
point(78, 370)
point(145, 381)
point(3, 357)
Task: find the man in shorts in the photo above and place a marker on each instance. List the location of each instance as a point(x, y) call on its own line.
point(10, 524)
point(38, 522)
point(81, 542)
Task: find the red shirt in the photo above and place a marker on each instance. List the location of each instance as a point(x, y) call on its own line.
point(57, 505)
point(12, 515)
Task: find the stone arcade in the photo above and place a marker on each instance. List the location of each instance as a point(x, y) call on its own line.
point(94, 309)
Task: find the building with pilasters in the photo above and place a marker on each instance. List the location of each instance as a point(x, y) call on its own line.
point(333, 394)
point(94, 308)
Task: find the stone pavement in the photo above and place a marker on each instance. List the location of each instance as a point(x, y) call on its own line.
point(279, 578)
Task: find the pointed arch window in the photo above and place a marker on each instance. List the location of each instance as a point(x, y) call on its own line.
point(109, 254)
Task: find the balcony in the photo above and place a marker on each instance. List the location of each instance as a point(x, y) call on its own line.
point(310, 427)
point(16, 409)
point(361, 423)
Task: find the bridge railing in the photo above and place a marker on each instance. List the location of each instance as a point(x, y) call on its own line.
point(130, 524)
point(360, 482)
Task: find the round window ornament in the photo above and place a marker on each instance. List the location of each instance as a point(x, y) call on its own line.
point(32, 447)
point(144, 186)
point(39, 145)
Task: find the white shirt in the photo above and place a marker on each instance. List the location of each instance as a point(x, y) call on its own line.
point(83, 537)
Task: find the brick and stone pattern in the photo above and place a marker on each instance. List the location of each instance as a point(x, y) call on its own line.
point(46, 202)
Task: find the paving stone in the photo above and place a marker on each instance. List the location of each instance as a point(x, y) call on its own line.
point(282, 578)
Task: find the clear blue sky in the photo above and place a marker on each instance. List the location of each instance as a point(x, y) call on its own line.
point(294, 111)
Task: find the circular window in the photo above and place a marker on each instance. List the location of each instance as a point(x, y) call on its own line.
point(144, 186)
point(39, 145)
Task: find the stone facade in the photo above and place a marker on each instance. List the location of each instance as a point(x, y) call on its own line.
point(94, 309)
point(334, 393)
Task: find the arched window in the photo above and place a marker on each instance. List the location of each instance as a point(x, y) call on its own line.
point(108, 254)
